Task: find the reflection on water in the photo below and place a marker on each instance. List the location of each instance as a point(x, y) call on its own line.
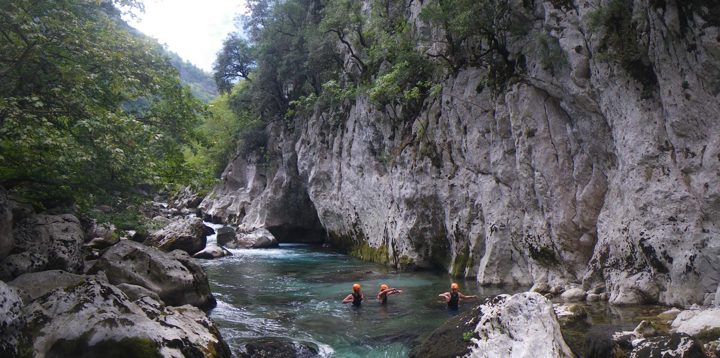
point(295, 291)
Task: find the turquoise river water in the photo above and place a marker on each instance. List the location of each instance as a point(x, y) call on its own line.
point(295, 291)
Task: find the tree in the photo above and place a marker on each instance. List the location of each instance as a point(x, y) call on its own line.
point(88, 108)
point(234, 61)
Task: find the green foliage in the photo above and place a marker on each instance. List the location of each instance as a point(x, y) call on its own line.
point(88, 109)
point(477, 33)
point(620, 42)
point(217, 141)
point(468, 336)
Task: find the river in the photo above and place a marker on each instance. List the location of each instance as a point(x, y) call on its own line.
point(295, 291)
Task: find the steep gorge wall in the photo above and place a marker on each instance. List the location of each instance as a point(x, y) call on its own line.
point(575, 176)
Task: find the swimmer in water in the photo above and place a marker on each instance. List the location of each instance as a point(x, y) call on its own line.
point(386, 291)
point(454, 296)
point(355, 297)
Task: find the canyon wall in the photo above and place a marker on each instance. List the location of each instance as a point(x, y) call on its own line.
point(576, 175)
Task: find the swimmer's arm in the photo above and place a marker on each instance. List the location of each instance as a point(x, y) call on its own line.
point(464, 297)
point(394, 291)
point(348, 299)
point(445, 296)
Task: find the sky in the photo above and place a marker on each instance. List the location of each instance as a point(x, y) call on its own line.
point(194, 29)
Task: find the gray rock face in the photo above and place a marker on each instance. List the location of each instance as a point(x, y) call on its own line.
point(37, 284)
point(6, 225)
point(577, 175)
point(697, 322)
point(95, 318)
point(44, 242)
point(173, 276)
point(10, 319)
point(135, 292)
point(212, 252)
point(187, 234)
point(256, 239)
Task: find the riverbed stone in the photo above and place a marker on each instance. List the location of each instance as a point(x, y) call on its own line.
point(212, 251)
point(97, 319)
point(187, 234)
point(573, 295)
point(677, 345)
point(37, 284)
point(255, 239)
point(173, 276)
point(705, 322)
point(278, 347)
point(45, 242)
point(569, 313)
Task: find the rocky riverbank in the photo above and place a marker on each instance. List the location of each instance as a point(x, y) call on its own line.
point(72, 288)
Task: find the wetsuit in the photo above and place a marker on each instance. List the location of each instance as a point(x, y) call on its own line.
point(357, 299)
point(454, 299)
point(383, 299)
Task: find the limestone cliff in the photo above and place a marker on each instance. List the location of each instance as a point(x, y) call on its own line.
point(580, 174)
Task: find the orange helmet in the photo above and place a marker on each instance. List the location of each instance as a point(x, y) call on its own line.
point(454, 286)
point(383, 287)
point(356, 287)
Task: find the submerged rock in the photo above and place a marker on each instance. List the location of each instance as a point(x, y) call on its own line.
point(256, 239)
point(522, 325)
point(45, 242)
point(173, 276)
point(187, 234)
point(278, 347)
point(97, 319)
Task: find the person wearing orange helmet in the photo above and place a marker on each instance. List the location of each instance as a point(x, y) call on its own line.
point(454, 296)
point(386, 291)
point(355, 297)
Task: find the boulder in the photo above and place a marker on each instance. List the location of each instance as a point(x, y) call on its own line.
point(256, 239)
point(573, 295)
point(522, 325)
point(97, 319)
point(187, 199)
point(105, 231)
point(212, 251)
point(6, 225)
point(10, 319)
point(187, 234)
point(37, 284)
point(697, 322)
point(278, 347)
point(173, 276)
point(100, 243)
point(45, 242)
point(225, 234)
point(569, 313)
point(135, 292)
point(677, 345)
